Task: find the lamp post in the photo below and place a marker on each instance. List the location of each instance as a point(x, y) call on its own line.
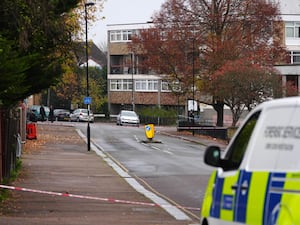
point(132, 81)
point(87, 74)
point(193, 71)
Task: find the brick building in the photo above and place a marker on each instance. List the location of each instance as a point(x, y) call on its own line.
point(131, 87)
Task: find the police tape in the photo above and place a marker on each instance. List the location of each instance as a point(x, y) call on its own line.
point(110, 200)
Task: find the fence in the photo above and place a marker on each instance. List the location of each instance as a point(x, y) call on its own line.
point(12, 130)
point(159, 121)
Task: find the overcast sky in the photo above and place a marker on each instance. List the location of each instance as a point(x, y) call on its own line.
point(120, 12)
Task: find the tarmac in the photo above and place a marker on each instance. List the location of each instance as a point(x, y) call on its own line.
point(60, 182)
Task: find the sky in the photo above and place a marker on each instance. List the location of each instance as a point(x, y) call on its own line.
point(122, 12)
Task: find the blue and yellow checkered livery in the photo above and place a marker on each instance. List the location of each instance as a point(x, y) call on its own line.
point(241, 197)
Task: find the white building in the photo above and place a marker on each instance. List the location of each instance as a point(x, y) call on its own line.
point(130, 85)
point(290, 14)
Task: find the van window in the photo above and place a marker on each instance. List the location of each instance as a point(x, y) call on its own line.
point(238, 147)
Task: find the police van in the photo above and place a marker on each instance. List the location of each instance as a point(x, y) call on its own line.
point(257, 180)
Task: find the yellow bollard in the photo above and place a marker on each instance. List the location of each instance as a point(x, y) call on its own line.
point(149, 131)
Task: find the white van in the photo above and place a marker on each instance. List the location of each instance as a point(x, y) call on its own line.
point(258, 175)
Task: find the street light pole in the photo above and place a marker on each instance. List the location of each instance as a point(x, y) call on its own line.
point(193, 68)
point(132, 81)
point(87, 74)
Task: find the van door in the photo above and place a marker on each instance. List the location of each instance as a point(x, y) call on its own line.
point(230, 195)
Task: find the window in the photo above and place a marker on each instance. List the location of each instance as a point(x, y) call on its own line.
point(165, 86)
point(292, 80)
point(146, 85)
point(141, 85)
point(115, 85)
point(112, 36)
point(292, 29)
point(127, 34)
point(121, 35)
point(152, 85)
point(115, 36)
point(238, 148)
point(127, 84)
point(120, 85)
point(295, 57)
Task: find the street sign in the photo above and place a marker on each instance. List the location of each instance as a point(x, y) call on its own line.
point(87, 100)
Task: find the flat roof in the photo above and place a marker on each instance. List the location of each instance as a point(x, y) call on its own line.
point(129, 26)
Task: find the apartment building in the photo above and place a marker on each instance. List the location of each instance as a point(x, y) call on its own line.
point(290, 14)
point(130, 85)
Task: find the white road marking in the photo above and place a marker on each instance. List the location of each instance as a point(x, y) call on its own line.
point(151, 146)
point(171, 209)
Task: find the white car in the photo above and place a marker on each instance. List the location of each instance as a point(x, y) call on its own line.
point(82, 115)
point(128, 117)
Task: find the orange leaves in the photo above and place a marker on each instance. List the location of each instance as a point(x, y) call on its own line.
point(250, 82)
point(233, 43)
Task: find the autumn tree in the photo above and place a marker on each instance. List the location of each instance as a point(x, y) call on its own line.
point(240, 29)
point(71, 88)
point(221, 30)
point(170, 47)
point(68, 88)
point(291, 89)
point(242, 85)
point(97, 86)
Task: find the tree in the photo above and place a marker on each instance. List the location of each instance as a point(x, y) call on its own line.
point(170, 48)
point(12, 71)
point(240, 29)
point(68, 88)
point(222, 30)
point(291, 89)
point(37, 40)
point(72, 87)
point(242, 84)
point(39, 37)
point(97, 83)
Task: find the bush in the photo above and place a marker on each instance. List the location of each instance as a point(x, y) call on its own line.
point(4, 193)
point(158, 116)
point(157, 112)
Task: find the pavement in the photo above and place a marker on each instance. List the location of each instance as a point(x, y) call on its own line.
point(188, 136)
point(62, 183)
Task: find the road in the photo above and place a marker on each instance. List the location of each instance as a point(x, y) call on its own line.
point(172, 168)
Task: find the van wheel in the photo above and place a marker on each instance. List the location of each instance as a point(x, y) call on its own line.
point(204, 222)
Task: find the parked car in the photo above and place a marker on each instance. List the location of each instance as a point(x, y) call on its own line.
point(81, 115)
point(36, 110)
point(61, 114)
point(128, 117)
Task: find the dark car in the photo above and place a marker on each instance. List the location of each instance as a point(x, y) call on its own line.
point(61, 114)
point(36, 110)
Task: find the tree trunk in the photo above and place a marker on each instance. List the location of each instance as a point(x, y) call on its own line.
point(219, 107)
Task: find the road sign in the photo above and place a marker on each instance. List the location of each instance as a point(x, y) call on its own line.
point(87, 100)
